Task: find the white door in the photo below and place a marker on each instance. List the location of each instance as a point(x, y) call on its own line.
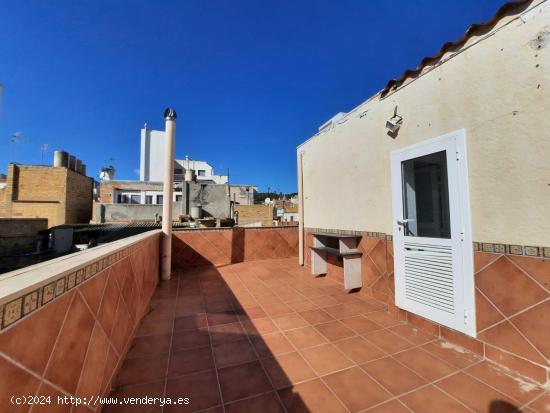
point(431, 232)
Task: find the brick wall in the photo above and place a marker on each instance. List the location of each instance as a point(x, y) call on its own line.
point(255, 213)
point(78, 206)
point(2, 202)
point(58, 194)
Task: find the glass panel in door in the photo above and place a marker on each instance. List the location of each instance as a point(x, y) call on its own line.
point(426, 196)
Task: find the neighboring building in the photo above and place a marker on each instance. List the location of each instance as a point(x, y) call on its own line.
point(442, 191)
point(255, 215)
point(152, 161)
point(58, 193)
point(289, 212)
point(127, 201)
point(243, 194)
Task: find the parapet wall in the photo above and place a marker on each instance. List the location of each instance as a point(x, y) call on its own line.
point(67, 324)
point(232, 245)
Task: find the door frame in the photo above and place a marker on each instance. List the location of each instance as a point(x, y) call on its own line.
point(466, 288)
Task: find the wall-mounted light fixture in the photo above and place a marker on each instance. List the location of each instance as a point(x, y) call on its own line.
point(394, 123)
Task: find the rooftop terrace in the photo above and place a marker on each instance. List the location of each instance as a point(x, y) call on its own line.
point(266, 336)
point(254, 332)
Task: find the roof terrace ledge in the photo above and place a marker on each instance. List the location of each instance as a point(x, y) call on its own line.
point(15, 284)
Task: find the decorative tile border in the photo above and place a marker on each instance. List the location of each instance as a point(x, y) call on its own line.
point(495, 248)
point(510, 249)
point(22, 306)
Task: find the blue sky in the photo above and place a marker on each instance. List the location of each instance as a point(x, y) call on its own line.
point(250, 80)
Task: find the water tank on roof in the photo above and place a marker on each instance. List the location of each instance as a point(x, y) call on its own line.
point(60, 158)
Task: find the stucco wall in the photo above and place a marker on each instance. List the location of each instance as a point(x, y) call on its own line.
point(497, 90)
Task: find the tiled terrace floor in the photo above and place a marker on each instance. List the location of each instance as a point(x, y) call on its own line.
point(266, 336)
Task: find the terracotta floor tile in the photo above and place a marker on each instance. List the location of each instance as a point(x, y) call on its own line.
point(190, 339)
point(383, 318)
point(356, 389)
point(287, 369)
point(514, 386)
point(305, 337)
point(291, 296)
point(312, 396)
point(388, 341)
point(226, 332)
point(236, 352)
point(393, 406)
point(190, 361)
point(277, 309)
point(301, 305)
point(270, 345)
point(360, 324)
point(155, 389)
point(251, 313)
point(266, 299)
point(316, 316)
point(476, 395)
point(201, 389)
point(342, 311)
point(141, 370)
point(290, 321)
point(413, 334)
point(259, 326)
point(334, 330)
point(155, 327)
point(224, 317)
point(326, 359)
point(324, 301)
point(393, 376)
point(451, 353)
point(432, 400)
point(359, 350)
point(189, 323)
point(425, 364)
point(265, 403)
point(242, 381)
point(149, 345)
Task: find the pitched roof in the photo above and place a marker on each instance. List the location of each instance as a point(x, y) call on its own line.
point(510, 8)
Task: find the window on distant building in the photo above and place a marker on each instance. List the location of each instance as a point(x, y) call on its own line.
point(122, 199)
point(159, 199)
point(179, 198)
point(149, 199)
point(201, 172)
point(135, 199)
point(178, 171)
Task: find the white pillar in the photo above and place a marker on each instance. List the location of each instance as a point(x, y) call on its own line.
point(170, 135)
point(301, 240)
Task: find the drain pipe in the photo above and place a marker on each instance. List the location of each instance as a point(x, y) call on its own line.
point(168, 189)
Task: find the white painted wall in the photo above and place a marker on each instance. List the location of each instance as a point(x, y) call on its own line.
point(152, 160)
point(151, 156)
point(197, 166)
point(496, 88)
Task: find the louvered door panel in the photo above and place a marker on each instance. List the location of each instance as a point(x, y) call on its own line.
point(429, 275)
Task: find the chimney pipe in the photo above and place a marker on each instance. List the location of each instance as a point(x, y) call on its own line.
point(170, 135)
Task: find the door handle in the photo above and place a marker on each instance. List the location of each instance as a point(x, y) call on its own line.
point(403, 221)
